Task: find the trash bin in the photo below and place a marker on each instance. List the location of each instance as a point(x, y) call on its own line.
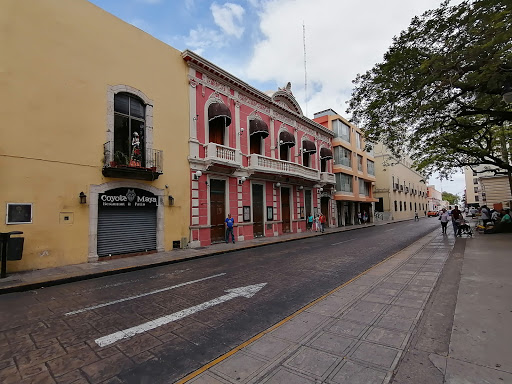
point(10, 249)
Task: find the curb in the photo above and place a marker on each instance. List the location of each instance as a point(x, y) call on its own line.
point(93, 275)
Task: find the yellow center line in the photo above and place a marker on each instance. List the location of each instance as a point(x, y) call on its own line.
point(192, 375)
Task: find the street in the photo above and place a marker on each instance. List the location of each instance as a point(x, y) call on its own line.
point(159, 324)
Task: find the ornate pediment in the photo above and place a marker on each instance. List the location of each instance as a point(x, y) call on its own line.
point(285, 99)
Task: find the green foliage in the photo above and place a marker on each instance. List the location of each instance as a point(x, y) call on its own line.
point(438, 93)
point(451, 198)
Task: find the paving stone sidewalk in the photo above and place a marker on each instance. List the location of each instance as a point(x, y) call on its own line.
point(356, 334)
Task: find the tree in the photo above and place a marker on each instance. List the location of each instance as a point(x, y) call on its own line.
point(438, 91)
point(451, 198)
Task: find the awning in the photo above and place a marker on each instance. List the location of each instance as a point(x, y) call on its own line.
point(325, 154)
point(258, 127)
point(286, 138)
point(308, 147)
point(217, 111)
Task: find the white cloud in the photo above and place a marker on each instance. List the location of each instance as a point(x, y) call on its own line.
point(343, 38)
point(199, 40)
point(229, 18)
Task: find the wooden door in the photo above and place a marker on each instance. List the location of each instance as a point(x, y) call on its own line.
point(257, 209)
point(283, 152)
point(285, 209)
point(255, 144)
point(217, 210)
point(307, 202)
point(324, 206)
point(216, 129)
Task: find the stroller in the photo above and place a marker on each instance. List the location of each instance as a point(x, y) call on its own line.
point(465, 229)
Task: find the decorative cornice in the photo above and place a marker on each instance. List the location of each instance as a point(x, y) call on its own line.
point(199, 63)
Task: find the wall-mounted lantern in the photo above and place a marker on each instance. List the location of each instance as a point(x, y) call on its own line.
point(83, 198)
point(171, 200)
point(277, 185)
point(196, 175)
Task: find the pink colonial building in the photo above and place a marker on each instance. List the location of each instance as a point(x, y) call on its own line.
point(254, 155)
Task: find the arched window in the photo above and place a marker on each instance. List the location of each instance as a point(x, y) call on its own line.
point(129, 130)
point(219, 118)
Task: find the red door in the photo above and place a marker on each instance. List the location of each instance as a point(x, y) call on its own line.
point(217, 210)
point(285, 208)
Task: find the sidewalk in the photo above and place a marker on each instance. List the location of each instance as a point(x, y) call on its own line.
point(359, 332)
point(20, 281)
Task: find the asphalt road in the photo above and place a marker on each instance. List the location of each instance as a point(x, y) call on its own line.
point(116, 329)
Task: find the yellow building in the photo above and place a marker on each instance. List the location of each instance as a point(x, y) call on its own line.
point(400, 189)
point(354, 169)
point(90, 104)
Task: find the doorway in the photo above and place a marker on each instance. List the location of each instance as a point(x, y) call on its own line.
point(217, 210)
point(285, 208)
point(257, 210)
point(307, 202)
point(324, 207)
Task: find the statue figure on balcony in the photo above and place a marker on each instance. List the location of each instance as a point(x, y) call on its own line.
point(136, 157)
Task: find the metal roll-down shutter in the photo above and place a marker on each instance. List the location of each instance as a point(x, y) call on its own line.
point(126, 230)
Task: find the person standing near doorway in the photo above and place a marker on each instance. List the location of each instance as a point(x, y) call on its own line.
point(321, 219)
point(309, 223)
point(230, 222)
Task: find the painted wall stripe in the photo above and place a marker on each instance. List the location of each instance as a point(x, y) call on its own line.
point(141, 295)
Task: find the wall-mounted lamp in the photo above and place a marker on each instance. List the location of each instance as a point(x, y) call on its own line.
point(196, 175)
point(277, 185)
point(241, 131)
point(242, 180)
point(83, 197)
point(320, 189)
point(171, 200)
point(301, 187)
point(195, 117)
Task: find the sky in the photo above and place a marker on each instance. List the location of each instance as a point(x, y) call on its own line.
point(262, 42)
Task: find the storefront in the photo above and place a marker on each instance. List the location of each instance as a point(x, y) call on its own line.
point(129, 219)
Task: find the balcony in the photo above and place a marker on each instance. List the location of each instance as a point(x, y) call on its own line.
point(395, 186)
point(220, 154)
point(259, 163)
point(406, 189)
point(328, 178)
point(118, 164)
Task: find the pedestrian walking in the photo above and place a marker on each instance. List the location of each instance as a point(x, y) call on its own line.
point(365, 217)
point(456, 220)
point(359, 218)
point(322, 220)
point(309, 223)
point(444, 217)
point(495, 216)
point(416, 217)
point(317, 223)
point(229, 228)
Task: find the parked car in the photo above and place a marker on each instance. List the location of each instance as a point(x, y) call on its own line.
point(432, 213)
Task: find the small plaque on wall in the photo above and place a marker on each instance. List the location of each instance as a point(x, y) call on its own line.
point(270, 213)
point(247, 213)
point(302, 212)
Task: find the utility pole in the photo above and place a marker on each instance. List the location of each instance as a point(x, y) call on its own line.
point(305, 69)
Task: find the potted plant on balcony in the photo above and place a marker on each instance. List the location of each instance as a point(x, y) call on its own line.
point(120, 159)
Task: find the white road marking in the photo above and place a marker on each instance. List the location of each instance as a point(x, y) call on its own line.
point(247, 292)
point(141, 295)
point(341, 242)
point(387, 230)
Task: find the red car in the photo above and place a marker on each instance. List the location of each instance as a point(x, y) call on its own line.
point(432, 213)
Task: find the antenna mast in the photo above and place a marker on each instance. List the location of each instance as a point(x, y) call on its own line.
point(305, 70)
